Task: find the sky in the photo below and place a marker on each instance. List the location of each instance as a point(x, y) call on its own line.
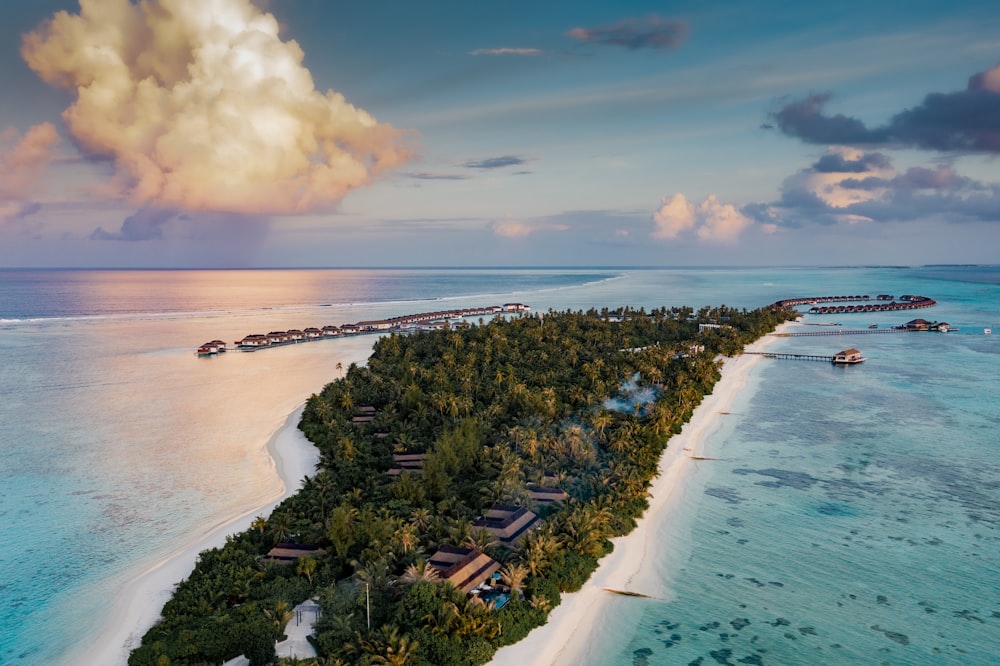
point(321, 133)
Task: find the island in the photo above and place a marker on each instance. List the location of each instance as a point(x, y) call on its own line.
point(467, 477)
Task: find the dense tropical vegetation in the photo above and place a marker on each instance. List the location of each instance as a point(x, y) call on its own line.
point(582, 401)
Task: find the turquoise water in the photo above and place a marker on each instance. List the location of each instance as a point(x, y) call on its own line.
point(853, 507)
point(853, 514)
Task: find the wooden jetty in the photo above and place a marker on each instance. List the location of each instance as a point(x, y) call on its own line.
point(860, 331)
point(795, 357)
point(846, 357)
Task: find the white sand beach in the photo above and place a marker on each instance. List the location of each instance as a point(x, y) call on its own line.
point(138, 602)
point(573, 628)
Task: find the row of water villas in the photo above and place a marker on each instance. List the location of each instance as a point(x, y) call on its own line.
point(906, 302)
point(882, 303)
point(404, 323)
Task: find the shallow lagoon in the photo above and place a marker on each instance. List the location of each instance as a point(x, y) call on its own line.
point(852, 517)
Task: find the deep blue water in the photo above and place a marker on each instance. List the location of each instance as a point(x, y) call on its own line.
point(855, 497)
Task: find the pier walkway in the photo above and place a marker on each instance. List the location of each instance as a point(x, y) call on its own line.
point(861, 331)
point(795, 357)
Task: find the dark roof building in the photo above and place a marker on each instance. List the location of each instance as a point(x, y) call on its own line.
point(509, 524)
point(546, 496)
point(465, 568)
point(287, 553)
point(407, 462)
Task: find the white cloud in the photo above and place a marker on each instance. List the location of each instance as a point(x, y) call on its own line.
point(512, 228)
point(507, 51)
point(202, 106)
point(23, 159)
point(674, 216)
point(711, 220)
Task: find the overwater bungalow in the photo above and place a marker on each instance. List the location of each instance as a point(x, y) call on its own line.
point(848, 356)
point(515, 307)
point(917, 325)
point(330, 331)
point(277, 337)
point(253, 341)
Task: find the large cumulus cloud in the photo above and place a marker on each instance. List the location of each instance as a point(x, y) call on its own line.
point(202, 106)
point(962, 121)
point(711, 220)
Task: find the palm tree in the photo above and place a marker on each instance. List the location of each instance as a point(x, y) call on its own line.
point(420, 571)
point(443, 619)
point(480, 540)
point(420, 518)
point(260, 524)
point(279, 615)
point(540, 547)
point(280, 525)
point(406, 537)
point(513, 576)
point(540, 603)
point(374, 573)
point(395, 649)
point(307, 567)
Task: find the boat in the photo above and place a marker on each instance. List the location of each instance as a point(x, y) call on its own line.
point(872, 325)
point(987, 331)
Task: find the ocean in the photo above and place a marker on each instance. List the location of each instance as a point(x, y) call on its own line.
point(851, 517)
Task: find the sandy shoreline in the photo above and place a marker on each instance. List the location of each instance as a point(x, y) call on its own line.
point(574, 626)
point(139, 601)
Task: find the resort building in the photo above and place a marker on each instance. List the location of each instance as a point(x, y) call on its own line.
point(406, 462)
point(363, 414)
point(848, 356)
point(330, 331)
point(547, 496)
point(277, 337)
point(374, 325)
point(510, 524)
point(288, 553)
point(917, 325)
point(465, 568)
point(253, 341)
